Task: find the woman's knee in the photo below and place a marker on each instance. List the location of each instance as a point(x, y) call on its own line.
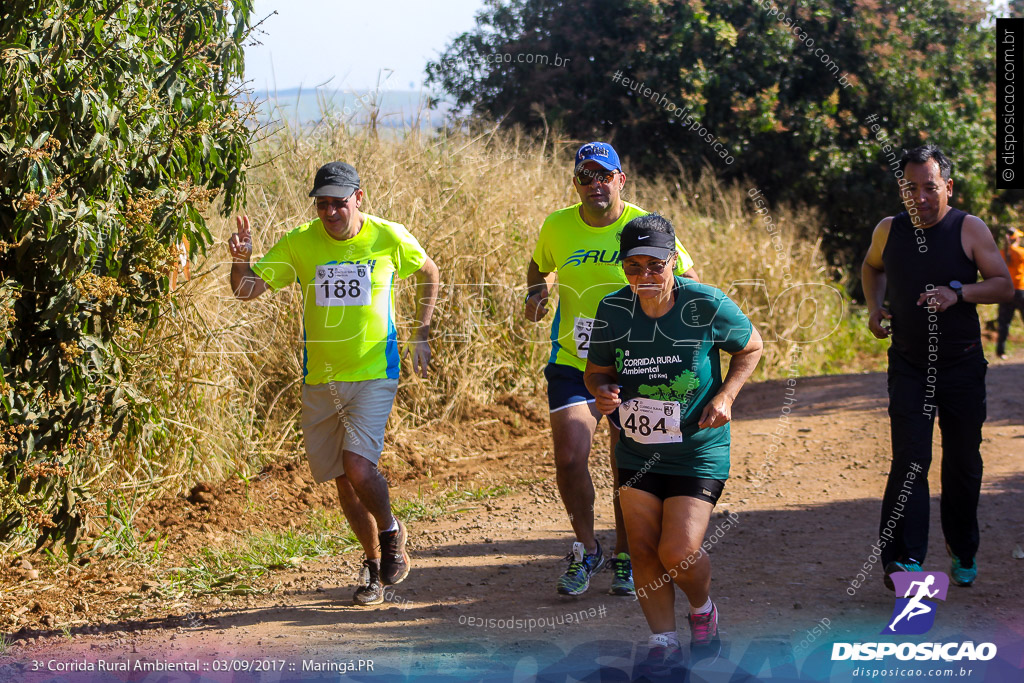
point(682, 558)
point(643, 549)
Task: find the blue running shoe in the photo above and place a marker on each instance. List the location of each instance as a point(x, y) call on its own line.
point(622, 575)
point(576, 579)
point(893, 567)
point(961, 575)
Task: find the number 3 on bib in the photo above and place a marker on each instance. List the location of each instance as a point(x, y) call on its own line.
point(343, 285)
point(647, 421)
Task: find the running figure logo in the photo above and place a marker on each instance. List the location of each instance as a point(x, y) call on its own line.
point(913, 614)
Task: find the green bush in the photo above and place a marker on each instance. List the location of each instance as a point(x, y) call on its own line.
point(119, 129)
point(791, 101)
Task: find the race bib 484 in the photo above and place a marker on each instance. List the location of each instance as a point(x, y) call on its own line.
point(645, 420)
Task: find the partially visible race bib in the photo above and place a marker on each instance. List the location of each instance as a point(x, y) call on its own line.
point(581, 332)
point(343, 285)
point(645, 420)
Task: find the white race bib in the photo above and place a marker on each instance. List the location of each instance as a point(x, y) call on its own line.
point(645, 420)
point(581, 332)
point(343, 285)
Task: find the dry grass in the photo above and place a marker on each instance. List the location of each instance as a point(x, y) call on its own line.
point(224, 375)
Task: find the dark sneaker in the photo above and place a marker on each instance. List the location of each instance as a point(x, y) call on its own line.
point(961, 575)
point(394, 561)
point(663, 659)
point(893, 567)
point(371, 592)
point(704, 640)
point(622, 575)
point(576, 579)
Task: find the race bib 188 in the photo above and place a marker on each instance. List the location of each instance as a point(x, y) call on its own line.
point(581, 332)
point(343, 285)
point(645, 420)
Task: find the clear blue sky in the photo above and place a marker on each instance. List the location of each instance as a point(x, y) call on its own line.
point(309, 42)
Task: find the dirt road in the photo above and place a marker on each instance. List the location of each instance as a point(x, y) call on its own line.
point(481, 596)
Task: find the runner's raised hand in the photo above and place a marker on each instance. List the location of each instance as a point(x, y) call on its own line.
point(240, 243)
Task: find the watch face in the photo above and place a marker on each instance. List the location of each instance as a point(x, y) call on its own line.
point(955, 284)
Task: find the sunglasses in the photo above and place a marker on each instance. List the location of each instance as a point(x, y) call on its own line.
point(586, 177)
point(336, 204)
point(654, 267)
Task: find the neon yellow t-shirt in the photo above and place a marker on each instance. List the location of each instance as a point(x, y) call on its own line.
point(349, 332)
point(587, 262)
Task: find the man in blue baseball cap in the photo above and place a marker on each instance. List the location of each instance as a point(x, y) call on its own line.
point(581, 244)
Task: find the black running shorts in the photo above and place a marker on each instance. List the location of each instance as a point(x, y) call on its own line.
point(666, 486)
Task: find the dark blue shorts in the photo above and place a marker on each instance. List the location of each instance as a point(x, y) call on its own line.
point(566, 388)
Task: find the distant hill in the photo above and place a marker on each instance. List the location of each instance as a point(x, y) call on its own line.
point(398, 108)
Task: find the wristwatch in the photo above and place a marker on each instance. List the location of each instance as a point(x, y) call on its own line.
point(958, 289)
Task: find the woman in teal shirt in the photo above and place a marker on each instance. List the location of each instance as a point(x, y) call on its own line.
point(654, 358)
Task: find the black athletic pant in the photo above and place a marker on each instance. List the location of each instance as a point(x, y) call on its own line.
point(959, 401)
point(1006, 312)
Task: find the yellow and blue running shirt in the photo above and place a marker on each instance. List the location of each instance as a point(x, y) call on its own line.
point(349, 332)
point(587, 262)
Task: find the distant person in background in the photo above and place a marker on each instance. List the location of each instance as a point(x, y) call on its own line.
point(581, 244)
point(926, 262)
point(1013, 255)
point(345, 263)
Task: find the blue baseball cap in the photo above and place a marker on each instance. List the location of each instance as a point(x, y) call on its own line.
point(600, 152)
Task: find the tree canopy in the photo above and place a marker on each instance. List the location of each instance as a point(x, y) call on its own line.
point(787, 88)
point(119, 127)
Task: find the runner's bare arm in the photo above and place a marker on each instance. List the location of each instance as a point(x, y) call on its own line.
point(602, 382)
point(872, 280)
point(537, 287)
point(718, 411)
point(691, 273)
point(428, 281)
point(996, 286)
point(245, 283)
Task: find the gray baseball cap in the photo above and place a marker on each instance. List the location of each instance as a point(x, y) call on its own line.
point(336, 179)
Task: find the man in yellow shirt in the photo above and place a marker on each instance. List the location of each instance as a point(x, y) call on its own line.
point(1013, 254)
point(346, 262)
point(581, 244)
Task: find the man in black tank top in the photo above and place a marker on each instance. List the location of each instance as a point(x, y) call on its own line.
point(925, 262)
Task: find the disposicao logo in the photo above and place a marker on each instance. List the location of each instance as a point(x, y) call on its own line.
point(914, 614)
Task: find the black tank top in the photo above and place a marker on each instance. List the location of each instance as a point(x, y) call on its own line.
point(933, 256)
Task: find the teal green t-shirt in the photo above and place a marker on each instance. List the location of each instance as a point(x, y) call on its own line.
point(669, 369)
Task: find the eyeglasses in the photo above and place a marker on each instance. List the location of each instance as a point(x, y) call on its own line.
point(586, 177)
point(323, 204)
point(654, 267)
